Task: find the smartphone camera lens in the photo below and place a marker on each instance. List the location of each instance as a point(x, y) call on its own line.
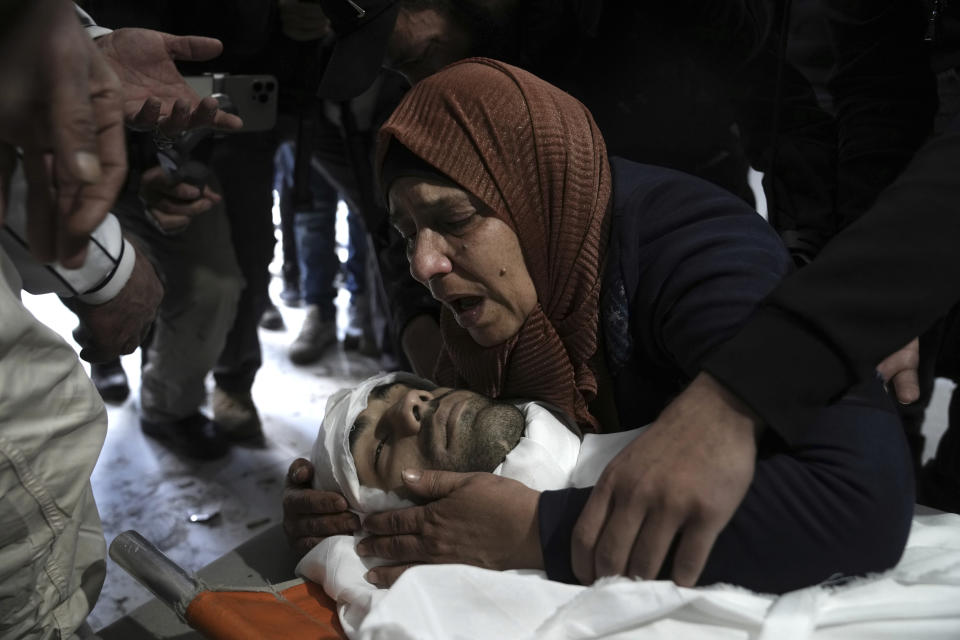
point(257, 86)
point(263, 98)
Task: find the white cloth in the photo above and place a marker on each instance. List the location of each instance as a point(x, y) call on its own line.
point(52, 426)
point(920, 597)
point(548, 456)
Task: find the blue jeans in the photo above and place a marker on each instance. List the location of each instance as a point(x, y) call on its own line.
point(315, 232)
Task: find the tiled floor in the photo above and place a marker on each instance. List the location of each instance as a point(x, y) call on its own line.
point(139, 485)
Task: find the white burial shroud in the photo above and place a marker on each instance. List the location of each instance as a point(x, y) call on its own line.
point(920, 597)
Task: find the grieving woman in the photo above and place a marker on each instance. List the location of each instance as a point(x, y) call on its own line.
point(599, 286)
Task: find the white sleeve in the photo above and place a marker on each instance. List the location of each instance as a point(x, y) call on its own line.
point(109, 263)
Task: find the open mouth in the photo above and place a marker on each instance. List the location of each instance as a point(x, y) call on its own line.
point(465, 304)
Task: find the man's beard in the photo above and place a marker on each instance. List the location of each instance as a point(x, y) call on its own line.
point(491, 431)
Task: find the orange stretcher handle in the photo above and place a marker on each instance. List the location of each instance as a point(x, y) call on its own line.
point(304, 612)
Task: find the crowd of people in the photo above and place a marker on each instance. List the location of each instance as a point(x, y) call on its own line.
point(547, 202)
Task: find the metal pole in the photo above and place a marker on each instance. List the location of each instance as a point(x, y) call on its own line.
point(164, 578)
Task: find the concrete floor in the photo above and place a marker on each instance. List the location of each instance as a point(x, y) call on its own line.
point(140, 485)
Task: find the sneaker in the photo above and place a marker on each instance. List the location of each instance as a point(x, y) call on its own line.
point(111, 381)
point(195, 436)
point(271, 319)
point(236, 415)
point(316, 335)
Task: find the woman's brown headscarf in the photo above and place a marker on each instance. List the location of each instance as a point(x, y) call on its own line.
point(535, 157)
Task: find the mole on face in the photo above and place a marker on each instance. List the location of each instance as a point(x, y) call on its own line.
point(503, 271)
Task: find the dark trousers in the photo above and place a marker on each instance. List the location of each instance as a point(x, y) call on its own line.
point(244, 164)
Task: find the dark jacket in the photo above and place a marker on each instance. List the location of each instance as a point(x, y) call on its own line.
point(686, 267)
point(687, 264)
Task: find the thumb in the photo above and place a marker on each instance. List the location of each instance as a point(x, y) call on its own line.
point(192, 48)
point(300, 472)
point(433, 484)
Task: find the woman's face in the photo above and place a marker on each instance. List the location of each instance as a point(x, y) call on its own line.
point(470, 260)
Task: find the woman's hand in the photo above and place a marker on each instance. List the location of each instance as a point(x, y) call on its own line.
point(475, 518)
point(683, 478)
point(309, 515)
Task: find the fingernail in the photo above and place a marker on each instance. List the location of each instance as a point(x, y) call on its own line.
point(298, 475)
point(412, 475)
point(88, 166)
point(363, 549)
point(373, 578)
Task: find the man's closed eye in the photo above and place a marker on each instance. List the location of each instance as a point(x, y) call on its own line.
point(376, 455)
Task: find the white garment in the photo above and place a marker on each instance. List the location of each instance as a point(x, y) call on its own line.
point(919, 598)
point(52, 426)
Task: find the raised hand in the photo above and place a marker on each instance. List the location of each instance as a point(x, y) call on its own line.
point(143, 60)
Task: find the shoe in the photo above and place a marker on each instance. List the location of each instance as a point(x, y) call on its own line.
point(359, 334)
point(316, 335)
point(236, 415)
point(111, 381)
point(195, 436)
point(271, 319)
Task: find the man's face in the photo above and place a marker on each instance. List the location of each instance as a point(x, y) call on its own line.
point(446, 429)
